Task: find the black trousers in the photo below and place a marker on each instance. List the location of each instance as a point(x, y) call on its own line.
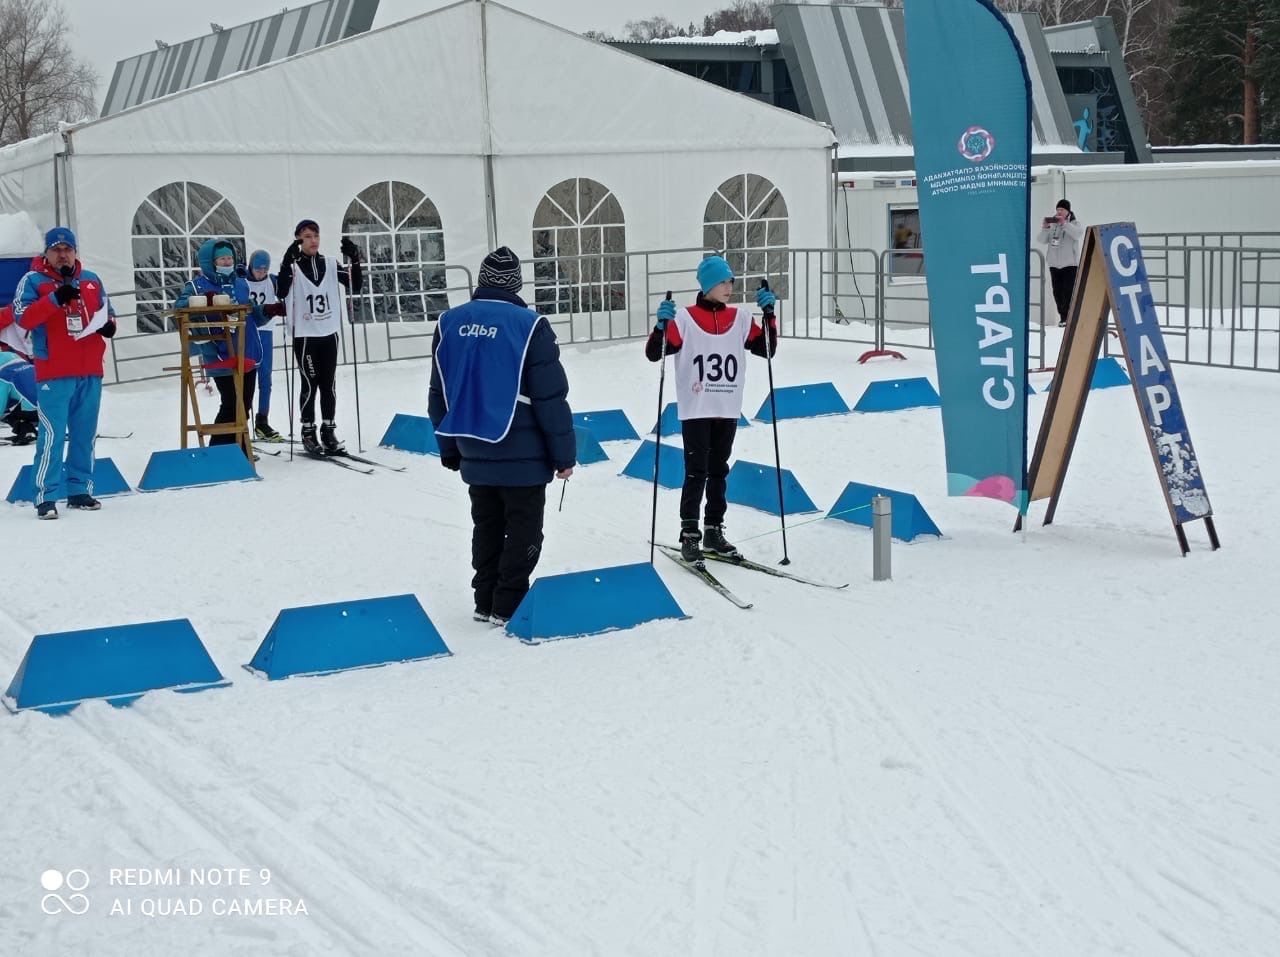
point(227, 398)
point(506, 542)
point(708, 443)
point(317, 358)
point(1064, 281)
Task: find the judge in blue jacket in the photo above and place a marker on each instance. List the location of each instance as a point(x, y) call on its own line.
point(218, 277)
point(499, 404)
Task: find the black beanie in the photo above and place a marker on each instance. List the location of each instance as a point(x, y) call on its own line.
point(501, 269)
point(297, 230)
point(1064, 204)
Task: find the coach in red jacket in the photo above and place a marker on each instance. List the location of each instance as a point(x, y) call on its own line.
point(65, 308)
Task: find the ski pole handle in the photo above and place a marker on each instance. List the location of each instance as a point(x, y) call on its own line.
point(764, 284)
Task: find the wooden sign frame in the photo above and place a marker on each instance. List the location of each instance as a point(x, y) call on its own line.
point(1112, 282)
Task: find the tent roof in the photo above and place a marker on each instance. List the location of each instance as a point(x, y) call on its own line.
point(419, 87)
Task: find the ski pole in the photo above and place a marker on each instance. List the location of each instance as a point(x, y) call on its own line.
point(773, 416)
point(288, 371)
point(657, 446)
point(562, 489)
point(355, 367)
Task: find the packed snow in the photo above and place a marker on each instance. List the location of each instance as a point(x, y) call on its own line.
point(19, 235)
point(1060, 743)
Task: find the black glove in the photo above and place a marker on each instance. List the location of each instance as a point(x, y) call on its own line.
point(452, 462)
point(108, 330)
point(350, 250)
point(65, 293)
point(273, 309)
point(291, 255)
point(241, 271)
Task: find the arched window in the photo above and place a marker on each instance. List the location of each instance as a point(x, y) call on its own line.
point(747, 219)
point(401, 240)
point(579, 249)
point(168, 229)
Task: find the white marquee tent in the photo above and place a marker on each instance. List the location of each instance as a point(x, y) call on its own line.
point(478, 108)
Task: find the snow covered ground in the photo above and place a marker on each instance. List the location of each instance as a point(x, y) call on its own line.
point(1064, 743)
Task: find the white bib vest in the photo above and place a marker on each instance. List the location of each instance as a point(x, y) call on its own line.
point(262, 292)
point(316, 310)
point(711, 369)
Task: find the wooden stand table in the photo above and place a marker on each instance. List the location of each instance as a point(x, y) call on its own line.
point(214, 324)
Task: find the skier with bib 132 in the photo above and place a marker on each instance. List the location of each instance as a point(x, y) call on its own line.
point(709, 340)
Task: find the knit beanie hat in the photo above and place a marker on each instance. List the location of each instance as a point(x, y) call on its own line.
point(1064, 204)
point(712, 271)
point(305, 224)
point(501, 269)
point(261, 259)
point(223, 248)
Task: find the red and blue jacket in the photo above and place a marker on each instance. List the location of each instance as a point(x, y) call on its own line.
point(56, 353)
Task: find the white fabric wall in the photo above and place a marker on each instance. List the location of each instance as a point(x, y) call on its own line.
point(554, 92)
point(411, 88)
point(26, 178)
point(271, 193)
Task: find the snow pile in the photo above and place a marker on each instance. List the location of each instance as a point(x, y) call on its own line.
point(19, 235)
point(757, 38)
point(1061, 743)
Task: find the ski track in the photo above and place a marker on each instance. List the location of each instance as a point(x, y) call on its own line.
point(275, 843)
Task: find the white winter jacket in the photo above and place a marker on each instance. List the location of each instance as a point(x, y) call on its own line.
point(1063, 242)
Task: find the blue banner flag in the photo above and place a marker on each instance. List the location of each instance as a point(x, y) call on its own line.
point(971, 128)
point(1149, 368)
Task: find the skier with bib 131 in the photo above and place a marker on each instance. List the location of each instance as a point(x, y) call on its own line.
point(311, 286)
point(709, 340)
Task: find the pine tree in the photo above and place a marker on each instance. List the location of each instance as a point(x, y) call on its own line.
point(1227, 89)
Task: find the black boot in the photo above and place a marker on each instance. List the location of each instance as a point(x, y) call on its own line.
point(713, 540)
point(689, 550)
point(309, 441)
point(263, 431)
point(329, 439)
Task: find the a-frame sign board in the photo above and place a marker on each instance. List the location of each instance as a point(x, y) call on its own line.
point(1113, 280)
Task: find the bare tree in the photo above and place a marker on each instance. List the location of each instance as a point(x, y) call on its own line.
point(738, 16)
point(650, 28)
point(42, 82)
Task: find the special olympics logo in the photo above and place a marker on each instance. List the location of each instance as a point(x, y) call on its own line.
point(75, 880)
point(976, 144)
point(697, 387)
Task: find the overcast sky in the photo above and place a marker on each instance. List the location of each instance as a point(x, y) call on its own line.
point(108, 30)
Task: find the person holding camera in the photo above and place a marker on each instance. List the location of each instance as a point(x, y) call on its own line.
point(65, 308)
point(1062, 235)
point(311, 286)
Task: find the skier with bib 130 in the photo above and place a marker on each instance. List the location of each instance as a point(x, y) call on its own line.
point(709, 340)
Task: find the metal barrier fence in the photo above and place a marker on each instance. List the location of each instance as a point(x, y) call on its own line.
point(1218, 302)
point(1218, 299)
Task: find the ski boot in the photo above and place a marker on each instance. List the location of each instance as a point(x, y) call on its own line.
point(263, 431)
point(689, 550)
point(329, 439)
point(713, 540)
point(309, 441)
